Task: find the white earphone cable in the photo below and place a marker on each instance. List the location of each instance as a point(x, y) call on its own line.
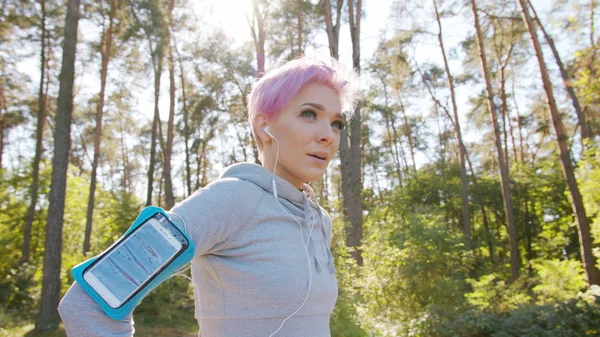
point(305, 244)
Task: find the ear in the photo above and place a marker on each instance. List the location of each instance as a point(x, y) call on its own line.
point(261, 124)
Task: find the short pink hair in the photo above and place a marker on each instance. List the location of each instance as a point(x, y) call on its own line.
point(278, 86)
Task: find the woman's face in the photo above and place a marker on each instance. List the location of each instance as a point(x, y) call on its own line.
point(308, 130)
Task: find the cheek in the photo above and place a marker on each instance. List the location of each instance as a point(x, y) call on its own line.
point(336, 143)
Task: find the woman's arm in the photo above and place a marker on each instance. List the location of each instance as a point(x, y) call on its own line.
point(212, 215)
point(82, 316)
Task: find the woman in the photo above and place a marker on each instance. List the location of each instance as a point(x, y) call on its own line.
point(262, 265)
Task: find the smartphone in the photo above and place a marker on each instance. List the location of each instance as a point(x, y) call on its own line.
point(135, 260)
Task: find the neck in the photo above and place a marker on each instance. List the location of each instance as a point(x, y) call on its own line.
point(269, 166)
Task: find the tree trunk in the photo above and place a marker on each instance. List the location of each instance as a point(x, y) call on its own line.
point(592, 38)
point(392, 138)
point(504, 112)
point(169, 198)
point(350, 153)
point(333, 31)
point(519, 124)
point(39, 148)
point(186, 128)
point(408, 131)
point(506, 195)
point(507, 112)
point(258, 34)
point(125, 157)
point(48, 319)
point(299, 14)
point(106, 49)
point(2, 122)
point(157, 60)
point(585, 241)
point(464, 182)
point(583, 126)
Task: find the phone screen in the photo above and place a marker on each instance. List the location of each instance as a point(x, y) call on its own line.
point(130, 264)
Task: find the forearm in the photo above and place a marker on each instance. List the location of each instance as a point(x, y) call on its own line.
point(82, 316)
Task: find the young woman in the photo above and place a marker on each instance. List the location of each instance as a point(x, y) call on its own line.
point(263, 265)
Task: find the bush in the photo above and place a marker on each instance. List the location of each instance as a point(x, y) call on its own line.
point(575, 317)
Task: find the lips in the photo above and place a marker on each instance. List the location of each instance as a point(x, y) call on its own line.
point(319, 155)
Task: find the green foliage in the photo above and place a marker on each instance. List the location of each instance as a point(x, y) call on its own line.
point(492, 294)
point(414, 262)
point(171, 304)
point(559, 280)
point(20, 284)
point(570, 318)
point(589, 183)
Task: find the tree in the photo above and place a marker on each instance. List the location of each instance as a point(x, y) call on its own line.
point(41, 121)
point(350, 150)
point(333, 30)
point(169, 198)
point(506, 194)
point(106, 41)
point(150, 18)
point(48, 316)
point(585, 241)
point(260, 12)
point(296, 22)
point(584, 129)
point(464, 183)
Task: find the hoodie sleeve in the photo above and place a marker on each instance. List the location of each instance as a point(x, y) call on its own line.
point(212, 216)
point(82, 316)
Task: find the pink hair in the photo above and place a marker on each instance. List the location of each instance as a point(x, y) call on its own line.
point(278, 86)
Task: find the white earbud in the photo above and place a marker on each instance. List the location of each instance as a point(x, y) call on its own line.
point(266, 130)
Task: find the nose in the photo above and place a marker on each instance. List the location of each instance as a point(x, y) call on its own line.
point(326, 134)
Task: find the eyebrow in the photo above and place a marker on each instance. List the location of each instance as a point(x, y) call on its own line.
point(320, 107)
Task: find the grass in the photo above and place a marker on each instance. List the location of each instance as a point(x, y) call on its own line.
point(28, 331)
point(12, 325)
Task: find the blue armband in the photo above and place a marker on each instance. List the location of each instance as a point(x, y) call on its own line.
point(150, 251)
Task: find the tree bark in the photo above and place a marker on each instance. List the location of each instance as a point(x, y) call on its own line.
point(258, 35)
point(169, 198)
point(186, 128)
point(2, 121)
point(464, 182)
point(350, 153)
point(506, 195)
point(39, 146)
point(408, 131)
point(48, 319)
point(106, 50)
point(125, 157)
point(583, 126)
point(299, 14)
point(392, 138)
point(156, 54)
point(585, 241)
point(333, 31)
point(519, 124)
point(157, 60)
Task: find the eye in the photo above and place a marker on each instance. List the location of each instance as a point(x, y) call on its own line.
point(340, 125)
point(309, 114)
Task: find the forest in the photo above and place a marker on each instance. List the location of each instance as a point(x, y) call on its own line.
point(465, 195)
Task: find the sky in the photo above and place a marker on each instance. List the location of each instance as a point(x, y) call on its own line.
point(379, 21)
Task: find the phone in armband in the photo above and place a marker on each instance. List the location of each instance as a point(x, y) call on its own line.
point(151, 250)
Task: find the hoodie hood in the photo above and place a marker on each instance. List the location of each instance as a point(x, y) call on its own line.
point(302, 204)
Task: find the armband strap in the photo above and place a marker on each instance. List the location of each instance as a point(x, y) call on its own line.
point(127, 307)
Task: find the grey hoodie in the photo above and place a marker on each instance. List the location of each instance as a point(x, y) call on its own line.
point(250, 268)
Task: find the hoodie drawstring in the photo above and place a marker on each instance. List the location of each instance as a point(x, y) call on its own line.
point(311, 245)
